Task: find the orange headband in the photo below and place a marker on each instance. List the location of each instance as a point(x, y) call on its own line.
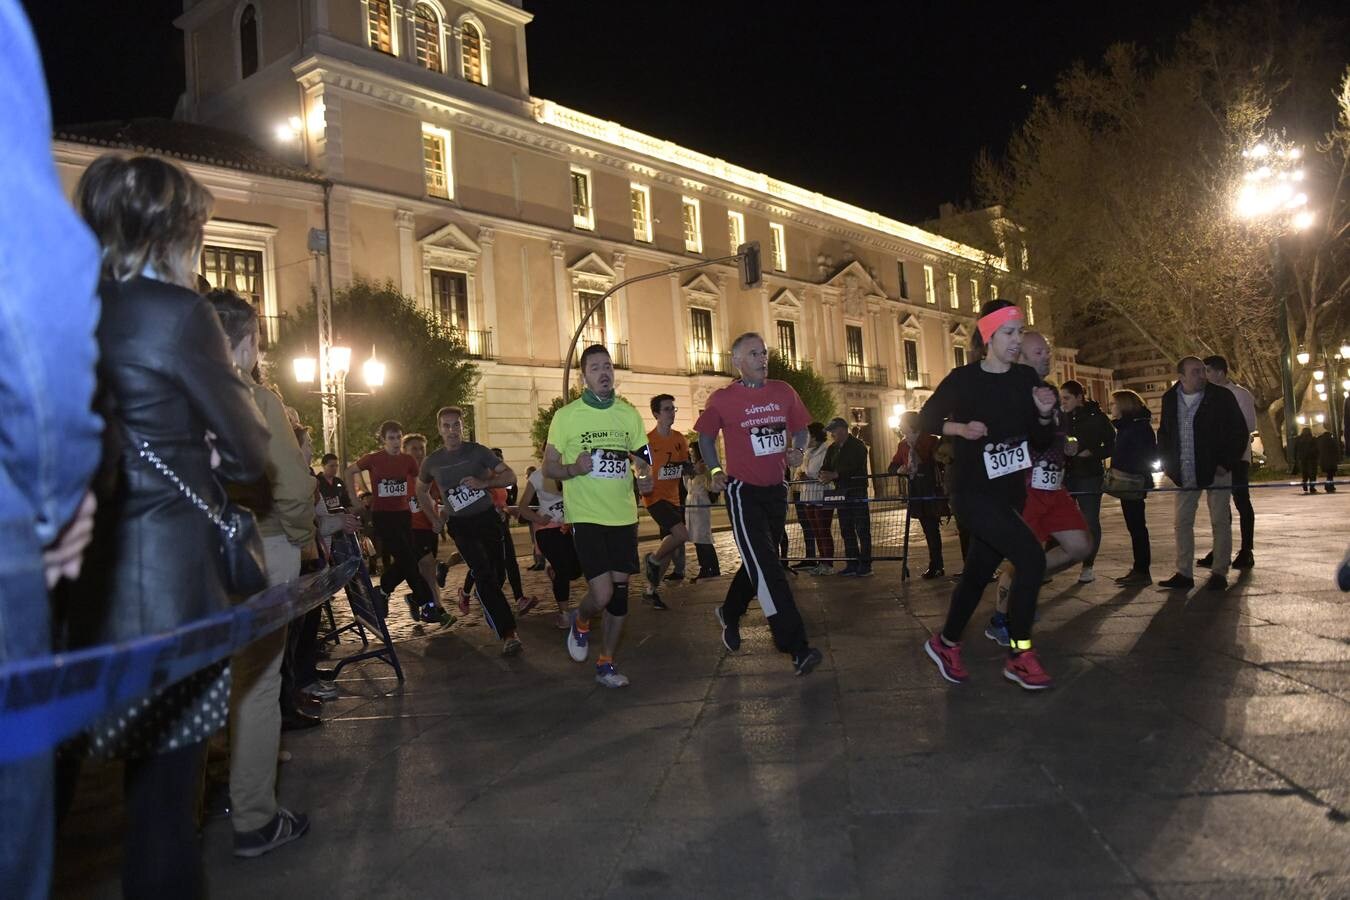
point(996, 320)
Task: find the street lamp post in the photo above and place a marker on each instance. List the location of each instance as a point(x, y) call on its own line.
point(334, 393)
point(1331, 383)
point(1271, 191)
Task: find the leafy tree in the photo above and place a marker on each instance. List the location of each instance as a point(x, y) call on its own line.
point(820, 401)
point(427, 365)
point(1125, 180)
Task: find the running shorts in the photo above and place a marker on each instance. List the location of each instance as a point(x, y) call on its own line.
point(425, 542)
point(1046, 512)
point(666, 514)
point(605, 548)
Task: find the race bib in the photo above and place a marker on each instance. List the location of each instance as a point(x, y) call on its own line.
point(670, 471)
point(609, 464)
point(461, 497)
point(389, 487)
point(767, 440)
point(1043, 479)
point(333, 503)
point(998, 463)
point(554, 510)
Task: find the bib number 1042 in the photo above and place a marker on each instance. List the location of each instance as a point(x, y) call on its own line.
point(1007, 460)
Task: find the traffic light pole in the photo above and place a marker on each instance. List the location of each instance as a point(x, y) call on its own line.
point(747, 255)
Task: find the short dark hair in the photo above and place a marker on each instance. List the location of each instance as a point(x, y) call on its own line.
point(817, 431)
point(658, 400)
point(498, 452)
point(1181, 363)
point(591, 351)
point(1216, 362)
point(414, 437)
point(389, 425)
point(448, 411)
point(327, 458)
point(238, 317)
point(1128, 403)
point(1072, 387)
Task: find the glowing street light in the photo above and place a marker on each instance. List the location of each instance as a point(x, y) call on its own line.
point(1303, 356)
point(306, 369)
point(1301, 419)
point(1318, 374)
point(373, 370)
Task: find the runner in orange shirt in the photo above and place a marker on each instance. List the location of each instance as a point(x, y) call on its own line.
point(670, 463)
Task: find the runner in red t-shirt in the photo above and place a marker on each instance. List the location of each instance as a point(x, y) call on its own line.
point(756, 416)
point(393, 475)
point(424, 537)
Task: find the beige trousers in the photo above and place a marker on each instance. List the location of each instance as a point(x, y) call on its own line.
point(1218, 497)
point(255, 707)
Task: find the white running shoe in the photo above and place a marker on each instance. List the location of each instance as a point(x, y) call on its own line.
point(610, 677)
point(578, 642)
point(1086, 576)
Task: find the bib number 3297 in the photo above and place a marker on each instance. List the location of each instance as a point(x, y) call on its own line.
point(1007, 460)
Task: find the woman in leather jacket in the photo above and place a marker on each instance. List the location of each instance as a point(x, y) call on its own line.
point(165, 377)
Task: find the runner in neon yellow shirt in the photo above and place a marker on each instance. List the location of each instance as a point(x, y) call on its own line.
point(592, 443)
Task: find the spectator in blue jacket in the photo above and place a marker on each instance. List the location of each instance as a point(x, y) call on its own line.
point(49, 434)
point(1136, 449)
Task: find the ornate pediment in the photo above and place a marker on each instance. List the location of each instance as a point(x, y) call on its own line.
point(450, 246)
point(910, 324)
point(702, 291)
point(786, 305)
point(591, 273)
point(857, 289)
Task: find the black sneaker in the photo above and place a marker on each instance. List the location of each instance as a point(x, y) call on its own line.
point(1216, 583)
point(1178, 582)
point(657, 602)
point(652, 570)
point(1244, 560)
point(442, 572)
point(1206, 561)
point(675, 576)
point(285, 827)
point(807, 661)
point(864, 573)
point(731, 634)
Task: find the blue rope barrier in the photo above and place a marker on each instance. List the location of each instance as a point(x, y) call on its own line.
point(46, 699)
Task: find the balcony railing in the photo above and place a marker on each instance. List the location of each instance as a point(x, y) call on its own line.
point(618, 354)
point(916, 379)
point(473, 344)
point(855, 374)
point(706, 362)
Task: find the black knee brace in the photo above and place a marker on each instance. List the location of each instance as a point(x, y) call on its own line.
point(618, 601)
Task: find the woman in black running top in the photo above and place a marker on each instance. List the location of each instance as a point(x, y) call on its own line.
point(995, 410)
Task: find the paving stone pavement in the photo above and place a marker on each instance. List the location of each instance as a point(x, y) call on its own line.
point(1192, 747)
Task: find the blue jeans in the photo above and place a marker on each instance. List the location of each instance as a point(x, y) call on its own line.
point(26, 791)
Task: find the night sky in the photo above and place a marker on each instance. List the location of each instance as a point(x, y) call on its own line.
point(881, 104)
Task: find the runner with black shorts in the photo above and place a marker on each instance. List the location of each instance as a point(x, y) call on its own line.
point(593, 445)
point(755, 416)
point(997, 411)
point(426, 540)
point(669, 451)
point(542, 505)
point(465, 471)
point(392, 476)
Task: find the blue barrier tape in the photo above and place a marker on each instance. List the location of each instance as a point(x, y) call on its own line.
point(46, 699)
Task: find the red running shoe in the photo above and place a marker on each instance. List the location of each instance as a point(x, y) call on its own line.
point(948, 659)
point(1025, 669)
point(463, 602)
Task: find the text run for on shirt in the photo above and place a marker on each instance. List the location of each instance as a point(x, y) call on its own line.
point(609, 463)
point(1005, 459)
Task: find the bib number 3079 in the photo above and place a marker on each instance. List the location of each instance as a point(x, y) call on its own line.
point(1007, 460)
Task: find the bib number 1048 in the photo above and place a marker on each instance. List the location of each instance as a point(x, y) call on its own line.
point(998, 463)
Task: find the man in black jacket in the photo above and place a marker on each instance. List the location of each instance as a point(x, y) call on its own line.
point(1092, 438)
point(1201, 435)
point(846, 465)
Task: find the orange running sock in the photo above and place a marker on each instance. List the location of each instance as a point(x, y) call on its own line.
point(583, 623)
point(600, 661)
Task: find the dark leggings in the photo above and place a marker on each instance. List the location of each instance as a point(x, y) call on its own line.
point(507, 567)
point(161, 855)
point(1133, 511)
point(1309, 473)
point(561, 554)
point(394, 530)
point(932, 536)
point(708, 564)
point(997, 533)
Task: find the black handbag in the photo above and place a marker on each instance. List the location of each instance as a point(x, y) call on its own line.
point(241, 547)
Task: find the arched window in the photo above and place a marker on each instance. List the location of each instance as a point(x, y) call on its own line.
point(381, 21)
point(248, 41)
point(471, 52)
point(427, 37)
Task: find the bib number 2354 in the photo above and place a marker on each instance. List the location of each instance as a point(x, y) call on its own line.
point(1007, 460)
point(609, 464)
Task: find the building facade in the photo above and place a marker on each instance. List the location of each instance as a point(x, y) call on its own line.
point(405, 131)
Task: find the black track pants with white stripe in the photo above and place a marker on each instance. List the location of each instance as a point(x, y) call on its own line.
point(757, 518)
